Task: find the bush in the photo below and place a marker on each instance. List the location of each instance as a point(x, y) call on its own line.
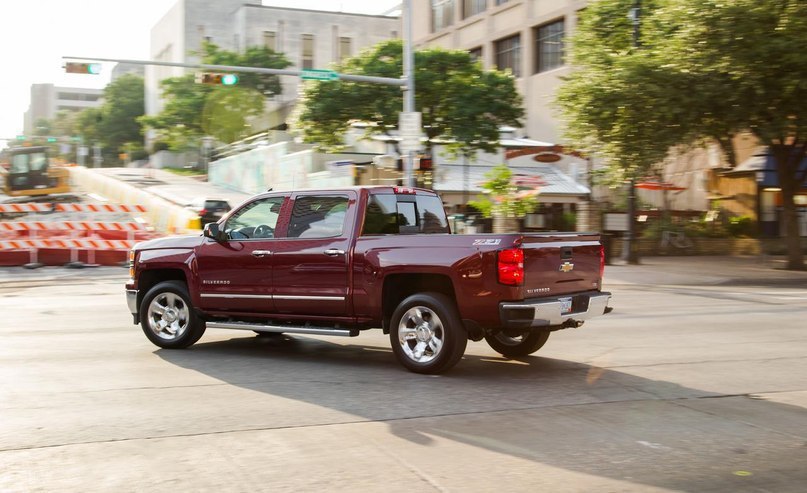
point(741, 226)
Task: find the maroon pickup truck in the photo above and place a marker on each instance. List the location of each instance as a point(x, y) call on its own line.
point(336, 262)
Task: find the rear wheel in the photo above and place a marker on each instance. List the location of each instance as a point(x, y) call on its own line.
point(168, 318)
point(426, 333)
point(513, 346)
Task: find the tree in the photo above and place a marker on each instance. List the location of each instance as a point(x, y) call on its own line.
point(123, 104)
point(503, 199)
point(459, 101)
point(193, 110)
point(703, 70)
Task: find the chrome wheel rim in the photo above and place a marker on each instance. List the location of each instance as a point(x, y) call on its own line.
point(168, 316)
point(421, 334)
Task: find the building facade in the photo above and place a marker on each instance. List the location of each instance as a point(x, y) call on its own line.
point(47, 100)
point(525, 37)
point(308, 38)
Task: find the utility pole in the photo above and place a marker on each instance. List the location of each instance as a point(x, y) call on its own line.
point(630, 253)
point(409, 97)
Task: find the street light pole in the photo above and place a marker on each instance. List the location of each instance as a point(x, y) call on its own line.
point(409, 88)
point(630, 252)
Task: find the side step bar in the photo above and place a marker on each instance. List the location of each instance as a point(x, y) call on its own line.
point(288, 329)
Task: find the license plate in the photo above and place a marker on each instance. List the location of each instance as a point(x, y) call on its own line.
point(565, 305)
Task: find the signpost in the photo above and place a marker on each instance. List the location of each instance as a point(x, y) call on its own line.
point(318, 74)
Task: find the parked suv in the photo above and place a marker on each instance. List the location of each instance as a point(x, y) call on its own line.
point(210, 210)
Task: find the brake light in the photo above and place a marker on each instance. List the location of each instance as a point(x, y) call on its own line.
point(511, 266)
point(602, 260)
point(404, 190)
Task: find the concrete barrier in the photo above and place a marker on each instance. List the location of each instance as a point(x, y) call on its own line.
point(161, 214)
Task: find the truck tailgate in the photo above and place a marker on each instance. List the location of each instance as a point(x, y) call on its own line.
point(561, 264)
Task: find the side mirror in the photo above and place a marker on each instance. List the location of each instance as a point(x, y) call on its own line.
point(213, 232)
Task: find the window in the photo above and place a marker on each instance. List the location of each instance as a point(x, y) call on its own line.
point(387, 215)
point(473, 7)
point(345, 48)
point(442, 14)
point(499, 2)
point(549, 46)
point(318, 216)
point(308, 51)
point(476, 53)
point(255, 220)
point(270, 40)
point(508, 54)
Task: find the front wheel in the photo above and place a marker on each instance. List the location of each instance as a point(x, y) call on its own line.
point(523, 344)
point(426, 333)
point(168, 318)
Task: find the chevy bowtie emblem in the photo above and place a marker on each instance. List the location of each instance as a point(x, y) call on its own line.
point(566, 267)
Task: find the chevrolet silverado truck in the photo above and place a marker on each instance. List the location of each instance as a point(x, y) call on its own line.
point(338, 262)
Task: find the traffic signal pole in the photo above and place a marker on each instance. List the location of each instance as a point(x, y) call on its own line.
point(234, 68)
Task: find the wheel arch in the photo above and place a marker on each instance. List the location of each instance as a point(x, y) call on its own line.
point(398, 287)
point(148, 278)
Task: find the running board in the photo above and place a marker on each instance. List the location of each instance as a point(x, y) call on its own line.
point(287, 329)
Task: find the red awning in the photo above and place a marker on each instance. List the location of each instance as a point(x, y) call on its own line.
point(658, 185)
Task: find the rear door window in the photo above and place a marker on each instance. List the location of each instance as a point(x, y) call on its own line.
point(318, 216)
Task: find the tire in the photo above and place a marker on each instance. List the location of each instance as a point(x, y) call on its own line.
point(522, 345)
point(168, 318)
point(426, 333)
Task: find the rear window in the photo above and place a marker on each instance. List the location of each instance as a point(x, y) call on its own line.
point(217, 204)
point(412, 214)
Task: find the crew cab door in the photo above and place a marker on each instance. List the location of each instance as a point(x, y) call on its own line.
point(235, 274)
point(311, 262)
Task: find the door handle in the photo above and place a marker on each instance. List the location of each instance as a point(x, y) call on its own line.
point(333, 252)
point(261, 253)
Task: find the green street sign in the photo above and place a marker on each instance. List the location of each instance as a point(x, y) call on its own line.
point(318, 74)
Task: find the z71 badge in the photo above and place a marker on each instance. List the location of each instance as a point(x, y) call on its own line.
point(489, 241)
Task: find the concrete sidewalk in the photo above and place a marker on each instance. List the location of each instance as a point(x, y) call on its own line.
point(706, 271)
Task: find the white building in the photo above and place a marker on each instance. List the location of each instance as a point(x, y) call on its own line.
point(309, 39)
point(47, 100)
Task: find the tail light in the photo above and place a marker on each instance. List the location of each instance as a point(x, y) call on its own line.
point(511, 266)
point(203, 212)
point(602, 260)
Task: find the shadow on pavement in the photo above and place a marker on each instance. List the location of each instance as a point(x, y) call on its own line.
point(560, 413)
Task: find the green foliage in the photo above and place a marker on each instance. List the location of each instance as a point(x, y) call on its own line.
point(742, 226)
point(502, 198)
point(459, 101)
point(193, 110)
point(123, 105)
point(704, 70)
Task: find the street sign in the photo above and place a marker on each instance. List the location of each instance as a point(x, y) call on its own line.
point(410, 131)
point(318, 74)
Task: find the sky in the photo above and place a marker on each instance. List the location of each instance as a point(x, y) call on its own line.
point(36, 34)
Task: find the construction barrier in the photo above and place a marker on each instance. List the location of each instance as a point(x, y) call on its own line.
point(61, 251)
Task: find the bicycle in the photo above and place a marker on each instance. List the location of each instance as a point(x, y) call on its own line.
point(678, 240)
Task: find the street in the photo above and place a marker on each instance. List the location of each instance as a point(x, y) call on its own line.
point(681, 388)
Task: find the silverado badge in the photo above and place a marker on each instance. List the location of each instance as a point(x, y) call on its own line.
point(566, 267)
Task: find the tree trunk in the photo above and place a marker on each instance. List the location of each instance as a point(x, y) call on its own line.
point(787, 166)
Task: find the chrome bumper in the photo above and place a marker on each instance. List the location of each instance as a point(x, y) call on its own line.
point(131, 300)
point(547, 311)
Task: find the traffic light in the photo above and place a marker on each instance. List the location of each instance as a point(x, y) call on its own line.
point(216, 78)
point(82, 68)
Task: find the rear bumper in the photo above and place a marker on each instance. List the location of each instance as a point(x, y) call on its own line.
point(545, 312)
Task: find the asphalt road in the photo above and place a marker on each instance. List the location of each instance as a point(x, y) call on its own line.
point(695, 388)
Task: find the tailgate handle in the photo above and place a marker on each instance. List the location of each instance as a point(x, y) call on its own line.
point(565, 253)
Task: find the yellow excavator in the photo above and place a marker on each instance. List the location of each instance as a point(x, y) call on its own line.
point(28, 172)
